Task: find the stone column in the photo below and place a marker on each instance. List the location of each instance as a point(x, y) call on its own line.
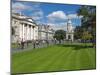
point(34, 33)
point(23, 32)
point(72, 37)
point(31, 32)
point(67, 36)
point(20, 31)
point(27, 31)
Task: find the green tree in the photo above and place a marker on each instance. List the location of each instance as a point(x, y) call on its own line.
point(86, 36)
point(89, 17)
point(77, 32)
point(88, 21)
point(83, 10)
point(60, 35)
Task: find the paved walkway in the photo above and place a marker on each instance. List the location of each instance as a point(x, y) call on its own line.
point(30, 47)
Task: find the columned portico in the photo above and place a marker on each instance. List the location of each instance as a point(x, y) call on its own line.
point(26, 32)
point(25, 28)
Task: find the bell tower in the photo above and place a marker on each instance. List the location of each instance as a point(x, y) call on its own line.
point(70, 31)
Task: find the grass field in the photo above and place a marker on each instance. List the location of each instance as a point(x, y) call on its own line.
point(55, 58)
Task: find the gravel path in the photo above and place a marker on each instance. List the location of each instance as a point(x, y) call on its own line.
point(30, 47)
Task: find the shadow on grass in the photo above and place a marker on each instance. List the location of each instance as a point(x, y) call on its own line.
point(76, 46)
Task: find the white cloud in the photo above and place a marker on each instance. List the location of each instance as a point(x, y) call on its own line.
point(57, 15)
point(60, 16)
point(18, 7)
point(21, 7)
point(37, 15)
point(62, 26)
point(73, 16)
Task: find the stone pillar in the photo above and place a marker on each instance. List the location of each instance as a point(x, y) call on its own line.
point(67, 36)
point(72, 37)
point(34, 33)
point(27, 32)
point(20, 31)
point(23, 32)
point(31, 32)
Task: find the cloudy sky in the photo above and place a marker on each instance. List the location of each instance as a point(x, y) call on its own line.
point(48, 13)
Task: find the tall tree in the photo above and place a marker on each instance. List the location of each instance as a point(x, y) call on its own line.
point(77, 32)
point(60, 35)
point(89, 19)
point(86, 36)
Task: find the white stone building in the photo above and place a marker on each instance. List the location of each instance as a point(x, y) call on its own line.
point(70, 31)
point(24, 27)
point(36, 33)
point(45, 32)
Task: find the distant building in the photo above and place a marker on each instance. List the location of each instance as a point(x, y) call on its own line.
point(70, 31)
point(45, 32)
point(24, 28)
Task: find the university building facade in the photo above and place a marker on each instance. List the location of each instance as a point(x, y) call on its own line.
point(25, 29)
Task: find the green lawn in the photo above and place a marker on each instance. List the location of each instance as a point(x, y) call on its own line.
point(55, 58)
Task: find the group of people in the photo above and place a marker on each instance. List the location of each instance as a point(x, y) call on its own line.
point(21, 43)
point(41, 43)
point(35, 43)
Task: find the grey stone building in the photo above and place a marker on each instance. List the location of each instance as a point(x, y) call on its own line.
point(45, 32)
point(24, 28)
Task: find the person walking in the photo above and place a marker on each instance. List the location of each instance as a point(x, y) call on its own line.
point(33, 42)
point(19, 42)
point(22, 43)
point(37, 43)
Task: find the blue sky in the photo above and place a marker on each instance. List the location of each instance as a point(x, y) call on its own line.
point(48, 13)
